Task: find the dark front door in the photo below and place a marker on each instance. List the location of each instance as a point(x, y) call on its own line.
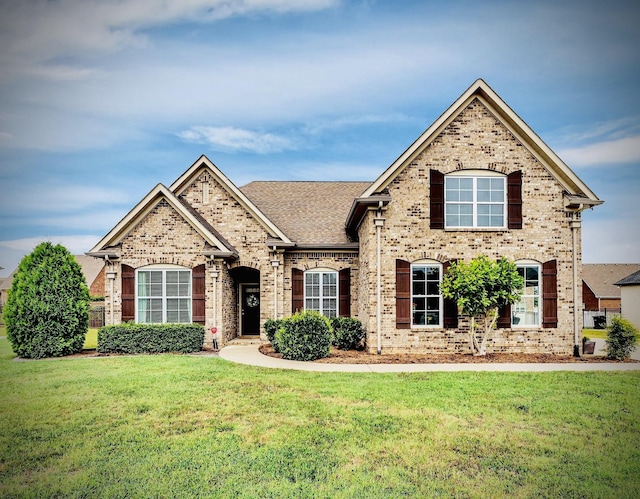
point(250, 309)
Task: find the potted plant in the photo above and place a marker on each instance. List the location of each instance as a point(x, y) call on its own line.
point(588, 345)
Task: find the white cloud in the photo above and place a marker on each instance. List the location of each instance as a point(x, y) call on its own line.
point(606, 240)
point(52, 199)
point(12, 252)
point(228, 138)
point(41, 30)
point(626, 150)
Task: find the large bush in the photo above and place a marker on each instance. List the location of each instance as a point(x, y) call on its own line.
point(348, 333)
point(47, 311)
point(304, 336)
point(150, 338)
point(621, 339)
point(271, 327)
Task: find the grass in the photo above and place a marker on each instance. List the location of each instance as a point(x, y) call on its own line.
point(184, 426)
point(595, 333)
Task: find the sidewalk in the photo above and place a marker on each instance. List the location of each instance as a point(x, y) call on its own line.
point(251, 355)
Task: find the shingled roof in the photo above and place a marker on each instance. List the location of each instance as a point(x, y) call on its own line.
point(603, 277)
point(309, 213)
point(630, 280)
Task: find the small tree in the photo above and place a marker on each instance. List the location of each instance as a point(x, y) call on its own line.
point(47, 311)
point(480, 288)
point(621, 339)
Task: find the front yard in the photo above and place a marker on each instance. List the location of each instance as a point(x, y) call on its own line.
point(178, 425)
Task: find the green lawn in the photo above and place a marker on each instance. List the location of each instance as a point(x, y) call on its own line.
point(185, 426)
point(595, 333)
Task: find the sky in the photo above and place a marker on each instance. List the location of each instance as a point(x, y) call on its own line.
point(102, 100)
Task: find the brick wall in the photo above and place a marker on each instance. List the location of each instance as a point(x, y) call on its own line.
point(474, 140)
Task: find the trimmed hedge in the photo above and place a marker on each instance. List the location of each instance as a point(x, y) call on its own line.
point(348, 333)
point(304, 336)
point(271, 327)
point(150, 338)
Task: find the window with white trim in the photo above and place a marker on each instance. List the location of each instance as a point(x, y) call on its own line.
point(426, 300)
point(163, 296)
point(475, 200)
point(321, 292)
point(526, 312)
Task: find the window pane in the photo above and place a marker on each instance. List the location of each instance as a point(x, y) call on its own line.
point(418, 273)
point(419, 288)
point(433, 288)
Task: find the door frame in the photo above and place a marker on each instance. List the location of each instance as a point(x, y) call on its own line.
point(241, 287)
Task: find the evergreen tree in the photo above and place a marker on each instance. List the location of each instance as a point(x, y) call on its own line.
point(47, 310)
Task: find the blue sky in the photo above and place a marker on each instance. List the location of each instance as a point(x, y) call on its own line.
point(100, 101)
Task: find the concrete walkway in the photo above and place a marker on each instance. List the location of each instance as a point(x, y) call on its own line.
point(250, 355)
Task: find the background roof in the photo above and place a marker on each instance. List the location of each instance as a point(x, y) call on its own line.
point(601, 277)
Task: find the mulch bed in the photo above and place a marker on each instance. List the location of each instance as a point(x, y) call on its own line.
point(360, 357)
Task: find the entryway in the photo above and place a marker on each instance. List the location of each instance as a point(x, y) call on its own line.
point(249, 309)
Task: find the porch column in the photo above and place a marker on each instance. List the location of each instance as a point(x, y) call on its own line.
point(213, 272)
point(111, 276)
point(275, 263)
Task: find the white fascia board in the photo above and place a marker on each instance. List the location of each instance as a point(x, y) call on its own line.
point(143, 208)
point(181, 183)
point(565, 176)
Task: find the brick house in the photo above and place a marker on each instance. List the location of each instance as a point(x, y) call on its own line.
point(477, 181)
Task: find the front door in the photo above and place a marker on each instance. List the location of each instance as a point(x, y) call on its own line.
point(249, 309)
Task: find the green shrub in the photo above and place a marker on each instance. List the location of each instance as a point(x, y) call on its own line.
point(304, 336)
point(271, 327)
point(348, 333)
point(621, 339)
point(150, 338)
point(47, 311)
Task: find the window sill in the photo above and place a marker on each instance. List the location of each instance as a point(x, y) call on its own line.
point(476, 229)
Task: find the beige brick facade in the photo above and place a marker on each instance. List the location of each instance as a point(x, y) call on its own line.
point(239, 246)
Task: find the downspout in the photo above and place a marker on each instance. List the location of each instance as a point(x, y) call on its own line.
point(379, 223)
point(214, 302)
point(575, 225)
point(275, 263)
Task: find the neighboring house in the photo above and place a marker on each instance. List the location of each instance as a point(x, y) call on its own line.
point(599, 289)
point(92, 269)
point(477, 181)
point(630, 294)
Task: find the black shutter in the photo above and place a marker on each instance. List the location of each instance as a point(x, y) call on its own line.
point(345, 293)
point(514, 200)
point(198, 299)
point(297, 290)
point(436, 199)
point(403, 294)
point(128, 283)
point(549, 294)
point(449, 306)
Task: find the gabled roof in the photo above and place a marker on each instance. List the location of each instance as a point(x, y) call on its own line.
point(480, 90)
point(603, 278)
point(297, 207)
point(90, 267)
point(204, 163)
point(630, 280)
point(150, 201)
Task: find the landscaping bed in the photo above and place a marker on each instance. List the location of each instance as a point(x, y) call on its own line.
point(361, 357)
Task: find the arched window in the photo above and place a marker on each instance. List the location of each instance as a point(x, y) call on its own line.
point(475, 198)
point(426, 299)
point(321, 291)
point(163, 294)
point(526, 312)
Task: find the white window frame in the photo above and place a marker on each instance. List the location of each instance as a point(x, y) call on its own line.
point(519, 309)
point(322, 292)
point(474, 176)
point(414, 296)
point(164, 297)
